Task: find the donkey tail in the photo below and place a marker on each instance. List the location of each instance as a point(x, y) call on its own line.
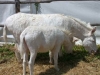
point(23, 47)
point(5, 34)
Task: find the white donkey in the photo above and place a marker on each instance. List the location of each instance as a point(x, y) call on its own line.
point(18, 22)
point(41, 39)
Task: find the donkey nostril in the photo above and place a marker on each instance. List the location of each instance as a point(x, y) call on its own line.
point(93, 52)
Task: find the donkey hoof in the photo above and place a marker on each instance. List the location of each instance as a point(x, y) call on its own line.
point(57, 69)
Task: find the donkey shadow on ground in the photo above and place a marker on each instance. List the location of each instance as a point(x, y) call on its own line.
point(65, 63)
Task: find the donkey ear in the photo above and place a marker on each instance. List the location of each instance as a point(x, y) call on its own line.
point(93, 30)
point(88, 24)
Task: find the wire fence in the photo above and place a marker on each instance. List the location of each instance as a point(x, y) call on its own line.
point(18, 2)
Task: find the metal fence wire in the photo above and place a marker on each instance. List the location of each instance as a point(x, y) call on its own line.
point(18, 2)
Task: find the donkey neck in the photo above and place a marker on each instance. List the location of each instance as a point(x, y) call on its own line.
point(79, 29)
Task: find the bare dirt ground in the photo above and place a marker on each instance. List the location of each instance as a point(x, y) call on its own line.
point(42, 67)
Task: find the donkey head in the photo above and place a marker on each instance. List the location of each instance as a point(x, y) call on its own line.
point(90, 41)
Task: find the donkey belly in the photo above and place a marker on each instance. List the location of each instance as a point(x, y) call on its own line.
point(46, 46)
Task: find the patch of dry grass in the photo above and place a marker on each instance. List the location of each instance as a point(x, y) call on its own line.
point(78, 63)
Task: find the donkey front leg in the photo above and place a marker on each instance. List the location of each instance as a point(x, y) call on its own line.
point(50, 57)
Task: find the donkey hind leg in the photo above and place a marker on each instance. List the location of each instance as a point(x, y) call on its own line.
point(18, 57)
point(31, 61)
point(17, 54)
point(25, 60)
point(55, 56)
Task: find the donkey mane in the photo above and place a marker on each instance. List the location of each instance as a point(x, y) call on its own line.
point(84, 24)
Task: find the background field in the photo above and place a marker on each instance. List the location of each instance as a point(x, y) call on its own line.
point(77, 63)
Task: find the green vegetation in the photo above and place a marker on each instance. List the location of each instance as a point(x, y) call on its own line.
point(6, 52)
point(79, 53)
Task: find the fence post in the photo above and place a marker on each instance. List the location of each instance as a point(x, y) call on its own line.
point(17, 6)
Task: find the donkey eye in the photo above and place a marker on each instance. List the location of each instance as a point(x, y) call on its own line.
point(92, 40)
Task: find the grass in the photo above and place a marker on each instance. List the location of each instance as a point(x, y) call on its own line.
point(6, 52)
point(79, 53)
